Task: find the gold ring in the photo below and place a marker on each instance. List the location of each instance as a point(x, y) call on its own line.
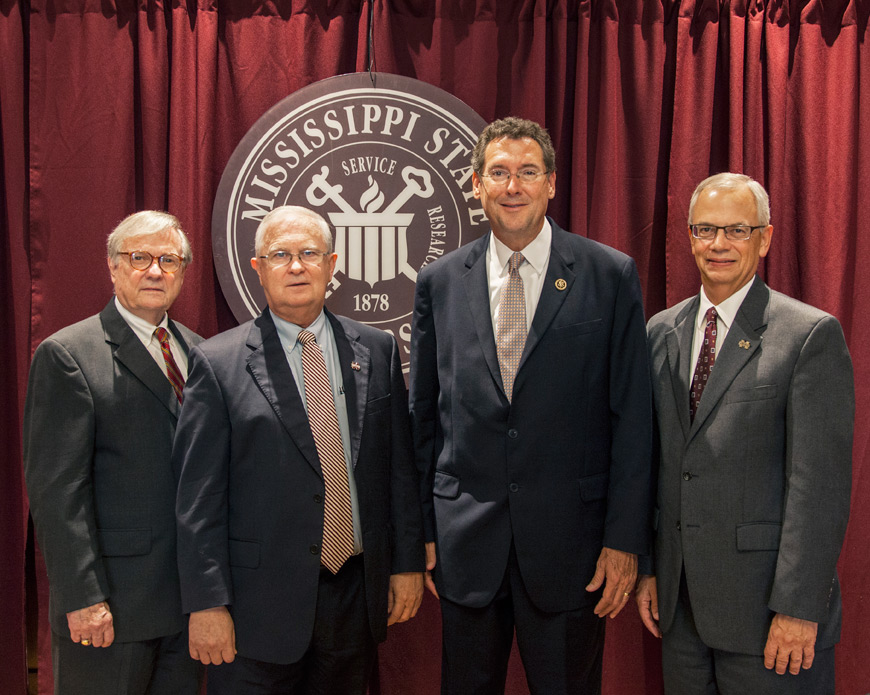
point(86, 642)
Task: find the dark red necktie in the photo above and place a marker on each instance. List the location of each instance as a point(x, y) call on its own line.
point(706, 360)
point(172, 370)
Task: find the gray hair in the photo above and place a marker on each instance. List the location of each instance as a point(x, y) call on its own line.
point(287, 214)
point(728, 181)
point(513, 128)
point(145, 223)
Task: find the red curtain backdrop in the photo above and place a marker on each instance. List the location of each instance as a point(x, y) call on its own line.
point(110, 106)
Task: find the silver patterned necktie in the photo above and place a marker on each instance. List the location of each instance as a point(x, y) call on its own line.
point(511, 330)
point(337, 515)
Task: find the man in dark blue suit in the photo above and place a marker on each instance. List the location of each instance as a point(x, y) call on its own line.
point(299, 530)
point(530, 405)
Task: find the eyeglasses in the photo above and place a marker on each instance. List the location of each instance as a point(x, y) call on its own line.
point(310, 257)
point(501, 177)
point(142, 260)
point(733, 232)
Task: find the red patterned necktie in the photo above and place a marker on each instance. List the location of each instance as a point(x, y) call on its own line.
point(173, 373)
point(706, 360)
point(337, 515)
point(511, 330)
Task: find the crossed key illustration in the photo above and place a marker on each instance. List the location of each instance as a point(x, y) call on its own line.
point(418, 182)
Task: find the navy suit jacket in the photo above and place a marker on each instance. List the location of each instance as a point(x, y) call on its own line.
point(250, 494)
point(98, 427)
point(562, 470)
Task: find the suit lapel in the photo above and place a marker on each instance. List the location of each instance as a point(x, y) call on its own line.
point(559, 267)
point(679, 347)
point(354, 360)
point(268, 366)
point(743, 339)
point(477, 292)
point(129, 351)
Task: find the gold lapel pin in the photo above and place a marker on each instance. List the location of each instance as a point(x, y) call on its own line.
point(355, 366)
point(561, 284)
point(744, 344)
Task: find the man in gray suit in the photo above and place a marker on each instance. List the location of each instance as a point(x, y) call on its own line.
point(754, 403)
point(102, 404)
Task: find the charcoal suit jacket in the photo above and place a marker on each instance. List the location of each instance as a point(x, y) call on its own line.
point(753, 494)
point(99, 421)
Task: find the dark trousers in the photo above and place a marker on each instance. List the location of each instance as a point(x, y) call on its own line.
point(339, 659)
point(690, 667)
point(159, 666)
point(561, 652)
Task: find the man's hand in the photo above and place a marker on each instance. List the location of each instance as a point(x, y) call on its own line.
point(647, 597)
point(430, 565)
point(791, 643)
point(617, 570)
point(212, 636)
point(405, 597)
point(92, 625)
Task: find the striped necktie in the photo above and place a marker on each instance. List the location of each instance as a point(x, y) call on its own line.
point(173, 373)
point(337, 515)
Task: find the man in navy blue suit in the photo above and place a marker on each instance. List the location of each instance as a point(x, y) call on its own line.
point(530, 403)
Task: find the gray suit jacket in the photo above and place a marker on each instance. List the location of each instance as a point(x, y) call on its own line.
point(99, 421)
point(753, 495)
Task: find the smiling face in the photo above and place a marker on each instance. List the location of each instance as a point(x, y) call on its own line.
point(515, 210)
point(296, 291)
point(726, 266)
point(147, 293)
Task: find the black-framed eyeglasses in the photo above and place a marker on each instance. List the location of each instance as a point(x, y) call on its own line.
point(142, 260)
point(280, 258)
point(501, 177)
point(733, 232)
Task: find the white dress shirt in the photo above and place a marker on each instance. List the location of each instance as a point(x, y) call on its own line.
point(144, 330)
point(726, 312)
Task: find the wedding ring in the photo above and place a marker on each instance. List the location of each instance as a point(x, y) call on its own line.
point(86, 642)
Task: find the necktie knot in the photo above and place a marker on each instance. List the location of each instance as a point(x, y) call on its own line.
point(306, 337)
point(711, 314)
point(162, 336)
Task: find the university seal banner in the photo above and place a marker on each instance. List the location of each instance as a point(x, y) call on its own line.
point(385, 159)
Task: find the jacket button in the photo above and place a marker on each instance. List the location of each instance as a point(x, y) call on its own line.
point(318, 499)
point(314, 550)
point(513, 434)
point(513, 487)
point(687, 476)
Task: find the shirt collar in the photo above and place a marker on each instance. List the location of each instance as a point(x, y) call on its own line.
point(143, 329)
point(289, 332)
point(726, 311)
point(536, 253)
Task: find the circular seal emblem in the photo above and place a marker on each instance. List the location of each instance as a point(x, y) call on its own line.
point(385, 160)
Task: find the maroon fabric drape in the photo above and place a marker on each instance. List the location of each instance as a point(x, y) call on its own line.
point(109, 106)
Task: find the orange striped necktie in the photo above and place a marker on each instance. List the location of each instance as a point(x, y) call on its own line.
point(173, 373)
point(337, 514)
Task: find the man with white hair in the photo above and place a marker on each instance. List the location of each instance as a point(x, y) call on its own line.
point(300, 532)
point(102, 404)
point(754, 404)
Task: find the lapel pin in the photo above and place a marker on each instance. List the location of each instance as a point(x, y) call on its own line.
point(355, 366)
point(744, 344)
point(561, 284)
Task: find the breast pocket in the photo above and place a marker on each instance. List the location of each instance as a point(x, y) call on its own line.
point(757, 393)
point(581, 328)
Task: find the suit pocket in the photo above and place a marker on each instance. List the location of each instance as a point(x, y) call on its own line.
point(377, 404)
point(124, 542)
point(758, 393)
point(764, 536)
point(594, 487)
point(578, 328)
point(446, 485)
point(244, 554)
